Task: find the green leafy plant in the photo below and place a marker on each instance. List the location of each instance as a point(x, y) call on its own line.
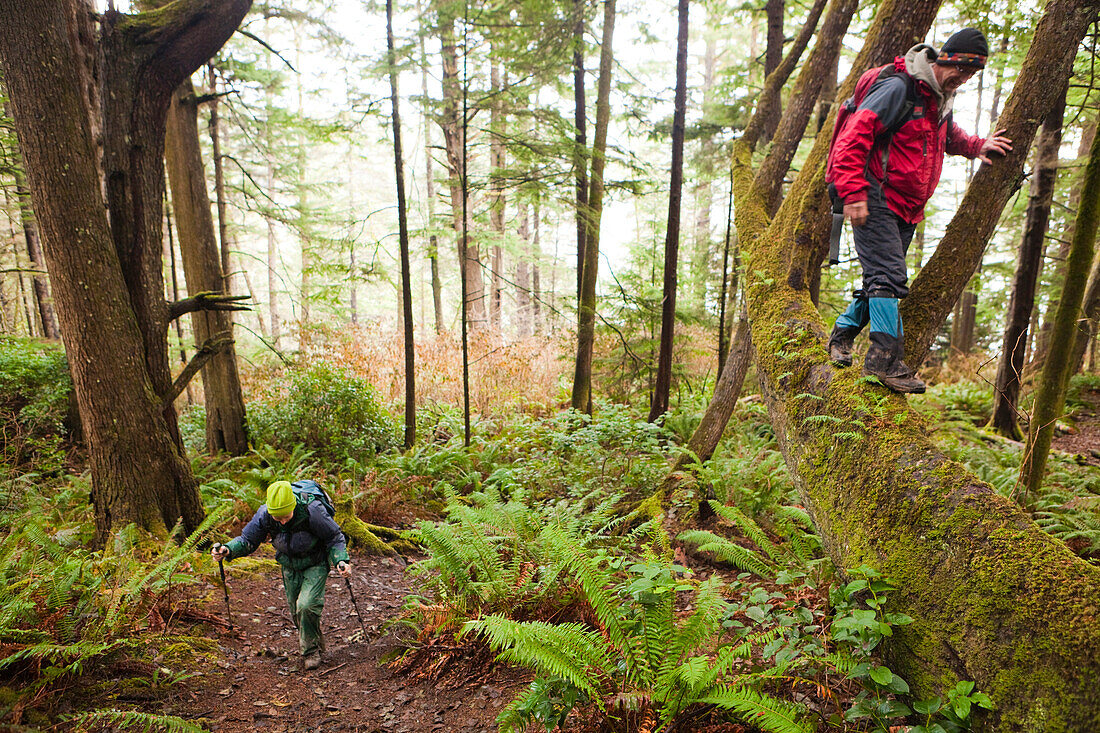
point(328, 411)
point(35, 391)
point(861, 623)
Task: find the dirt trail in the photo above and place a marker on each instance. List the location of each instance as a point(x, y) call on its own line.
point(1085, 441)
point(259, 685)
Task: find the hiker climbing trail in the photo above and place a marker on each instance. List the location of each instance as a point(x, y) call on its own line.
point(258, 683)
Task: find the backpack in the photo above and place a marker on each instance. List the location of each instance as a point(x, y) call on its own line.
point(308, 491)
point(867, 80)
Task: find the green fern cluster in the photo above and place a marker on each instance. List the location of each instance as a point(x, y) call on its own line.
point(799, 548)
point(642, 656)
point(497, 555)
point(63, 608)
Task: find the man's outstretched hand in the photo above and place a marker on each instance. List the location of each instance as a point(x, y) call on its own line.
point(995, 143)
point(344, 568)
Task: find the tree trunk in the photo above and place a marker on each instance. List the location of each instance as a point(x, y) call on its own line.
point(497, 130)
point(1051, 398)
point(701, 261)
point(429, 189)
point(214, 128)
point(524, 327)
point(115, 333)
point(580, 139)
point(966, 315)
point(1049, 60)
point(403, 235)
point(659, 404)
point(593, 210)
point(454, 136)
point(47, 318)
point(803, 98)
point(226, 429)
point(773, 54)
point(1042, 338)
point(1022, 300)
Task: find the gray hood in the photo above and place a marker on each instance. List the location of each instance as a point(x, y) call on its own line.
point(918, 62)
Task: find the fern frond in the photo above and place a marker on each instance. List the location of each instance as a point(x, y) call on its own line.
point(127, 719)
point(569, 651)
point(751, 529)
point(760, 710)
point(727, 551)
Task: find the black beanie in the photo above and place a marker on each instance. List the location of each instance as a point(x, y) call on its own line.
point(965, 48)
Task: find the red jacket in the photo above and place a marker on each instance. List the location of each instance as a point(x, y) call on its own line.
point(916, 150)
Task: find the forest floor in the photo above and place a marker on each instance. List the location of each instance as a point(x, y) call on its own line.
point(259, 684)
point(1084, 441)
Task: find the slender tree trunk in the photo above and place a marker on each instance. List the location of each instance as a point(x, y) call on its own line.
point(580, 140)
point(47, 318)
point(453, 124)
point(403, 234)
point(966, 314)
point(536, 272)
point(701, 261)
point(524, 327)
point(803, 98)
point(214, 128)
point(659, 404)
point(727, 288)
point(226, 428)
point(1042, 338)
point(1051, 397)
point(497, 130)
point(773, 54)
point(174, 293)
point(429, 188)
point(1022, 301)
point(593, 210)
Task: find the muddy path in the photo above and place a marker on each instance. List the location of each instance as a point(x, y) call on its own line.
point(259, 685)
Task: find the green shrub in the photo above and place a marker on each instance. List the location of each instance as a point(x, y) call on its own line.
point(330, 412)
point(35, 391)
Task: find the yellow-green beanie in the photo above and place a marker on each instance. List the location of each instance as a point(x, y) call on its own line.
point(280, 499)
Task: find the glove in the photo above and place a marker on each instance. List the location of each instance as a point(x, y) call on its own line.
point(343, 567)
point(219, 551)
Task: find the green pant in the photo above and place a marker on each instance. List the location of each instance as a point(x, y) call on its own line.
point(305, 595)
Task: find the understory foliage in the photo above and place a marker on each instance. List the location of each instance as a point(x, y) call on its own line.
point(328, 411)
point(532, 549)
point(35, 392)
point(71, 617)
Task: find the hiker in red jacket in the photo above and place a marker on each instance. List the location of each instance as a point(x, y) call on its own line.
point(884, 164)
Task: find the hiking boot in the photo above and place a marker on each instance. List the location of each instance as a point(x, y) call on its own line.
point(840, 345)
point(312, 660)
point(883, 364)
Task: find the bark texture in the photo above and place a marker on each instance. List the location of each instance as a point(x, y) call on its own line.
point(941, 281)
point(226, 429)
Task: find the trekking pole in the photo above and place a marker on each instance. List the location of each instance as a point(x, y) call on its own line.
point(355, 605)
point(225, 591)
